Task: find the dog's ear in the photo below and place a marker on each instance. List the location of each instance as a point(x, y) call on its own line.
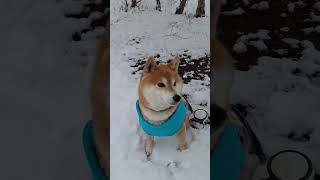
point(150, 65)
point(174, 63)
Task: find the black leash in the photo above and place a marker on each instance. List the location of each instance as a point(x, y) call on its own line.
point(257, 148)
point(219, 116)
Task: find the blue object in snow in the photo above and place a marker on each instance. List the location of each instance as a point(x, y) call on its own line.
point(228, 158)
point(89, 149)
point(169, 127)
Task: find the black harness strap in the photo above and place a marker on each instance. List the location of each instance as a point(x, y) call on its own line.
point(257, 147)
point(219, 116)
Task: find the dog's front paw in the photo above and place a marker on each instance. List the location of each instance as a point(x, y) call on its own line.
point(183, 147)
point(148, 152)
point(148, 148)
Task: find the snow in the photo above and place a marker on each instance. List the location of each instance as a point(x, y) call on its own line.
point(166, 34)
point(285, 29)
point(294, 43)
point(95, 15)
point(260, 45)
point(291, 7)
point(281, 89)
point(261, 6)
point(234, 12)
point(317, 6)
point(240, 47)
point(311, 29)
point(281, 51)
point(246, 2)
point(252, 39)
point(283, 15)
point(284, 103)
point(314, 17)
point(44, 98)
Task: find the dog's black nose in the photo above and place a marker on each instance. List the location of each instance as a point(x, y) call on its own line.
point(176, 98)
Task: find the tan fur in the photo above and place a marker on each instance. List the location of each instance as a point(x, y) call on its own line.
point(152, 74)
point(181, 136)
point(100, 102)
point(222, 73)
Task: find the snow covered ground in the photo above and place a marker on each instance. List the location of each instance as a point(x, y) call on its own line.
point(283, 104)
point(44, 98)
point(281, 90)
point(135, 35)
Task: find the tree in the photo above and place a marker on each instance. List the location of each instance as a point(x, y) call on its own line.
point(180, 9)
point(200, 9)
point(158, 6)
point(133, 3)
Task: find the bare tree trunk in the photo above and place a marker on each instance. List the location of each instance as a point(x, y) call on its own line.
point(200, 9)
point(126, 6)
point(180, 9)
point(158, 6)
point(133, 3)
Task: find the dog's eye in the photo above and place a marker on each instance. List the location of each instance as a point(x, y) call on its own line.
point(174, 84)
point(161, 84)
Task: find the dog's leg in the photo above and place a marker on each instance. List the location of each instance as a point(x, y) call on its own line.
point(149, 144)
point(187, 120)
point(187, 124)
point(181, 136)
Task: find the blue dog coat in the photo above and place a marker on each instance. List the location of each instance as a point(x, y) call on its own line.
point(169, 127)
point(89, 149)
point(228, 159)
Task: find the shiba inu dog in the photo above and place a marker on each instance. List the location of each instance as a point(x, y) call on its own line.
point(159, 91)
point(222, 75)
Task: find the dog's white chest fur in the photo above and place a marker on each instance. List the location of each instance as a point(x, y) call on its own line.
point(156, 116)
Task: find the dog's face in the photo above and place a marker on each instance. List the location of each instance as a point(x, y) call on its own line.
point(160, 85)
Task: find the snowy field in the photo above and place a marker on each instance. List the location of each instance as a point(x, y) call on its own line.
point(278, 77)
point(136, 34)
point(44, 95)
